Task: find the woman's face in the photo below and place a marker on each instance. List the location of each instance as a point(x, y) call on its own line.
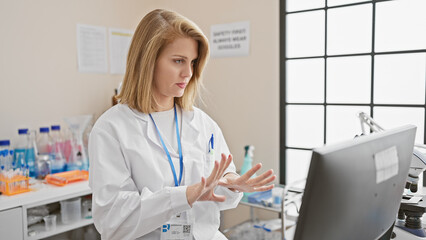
point(173, 70)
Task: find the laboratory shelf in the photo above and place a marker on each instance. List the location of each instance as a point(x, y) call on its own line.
point(40, 231)
point(244, 201)
point(292, 195)
point(41, 194)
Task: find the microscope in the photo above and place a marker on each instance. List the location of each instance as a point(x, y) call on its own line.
point(410, 212)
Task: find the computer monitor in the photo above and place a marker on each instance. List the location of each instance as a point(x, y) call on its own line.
point(354, 189)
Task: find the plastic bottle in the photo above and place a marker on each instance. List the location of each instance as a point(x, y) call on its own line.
point(4, 153)
point(30, 154)
point(20, 148)
point(2, 160)
point(248, 160)
point(44, 146)
point(44, 142)
point(56, 153)
point(67, 138)
point(8, 156)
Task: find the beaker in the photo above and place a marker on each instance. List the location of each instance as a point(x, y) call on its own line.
point(50, 222)
point(87, 208)
point(78, 158)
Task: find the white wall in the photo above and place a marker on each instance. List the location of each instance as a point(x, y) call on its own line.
point(39, 80)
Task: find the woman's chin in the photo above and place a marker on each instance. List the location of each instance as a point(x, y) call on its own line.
point(180, 93)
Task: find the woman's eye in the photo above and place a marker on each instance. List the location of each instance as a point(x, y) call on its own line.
point(179, 61)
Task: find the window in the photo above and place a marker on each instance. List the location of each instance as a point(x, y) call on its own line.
point(341, 57)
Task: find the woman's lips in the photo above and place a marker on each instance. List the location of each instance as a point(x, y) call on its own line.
point(181, 85)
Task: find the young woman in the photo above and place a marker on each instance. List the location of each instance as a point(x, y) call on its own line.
point(160, 167)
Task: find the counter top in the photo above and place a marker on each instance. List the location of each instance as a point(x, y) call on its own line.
point(44, 193)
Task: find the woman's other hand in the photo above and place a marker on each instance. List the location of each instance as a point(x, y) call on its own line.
point(245, 183)
point(204, 190)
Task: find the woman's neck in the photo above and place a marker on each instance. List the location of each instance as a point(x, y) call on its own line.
point(164, 105)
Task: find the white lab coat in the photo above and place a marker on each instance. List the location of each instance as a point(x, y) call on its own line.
point(132, 182)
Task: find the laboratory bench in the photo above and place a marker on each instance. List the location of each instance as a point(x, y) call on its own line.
point(286, 218)
point(290, 219)
point(13, 210)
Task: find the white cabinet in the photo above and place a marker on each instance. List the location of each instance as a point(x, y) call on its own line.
point(11, 224)
point(13, 210)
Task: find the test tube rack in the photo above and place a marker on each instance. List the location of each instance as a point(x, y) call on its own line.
point(17, 184)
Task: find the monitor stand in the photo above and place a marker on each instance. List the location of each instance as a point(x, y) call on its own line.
point(412, 214)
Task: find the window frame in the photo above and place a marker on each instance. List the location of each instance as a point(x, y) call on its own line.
point(283, 80)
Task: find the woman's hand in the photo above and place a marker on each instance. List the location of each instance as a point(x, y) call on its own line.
point(204, 190)
point(245, 183)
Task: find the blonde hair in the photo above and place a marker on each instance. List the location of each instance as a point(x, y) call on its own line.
point(157, 29)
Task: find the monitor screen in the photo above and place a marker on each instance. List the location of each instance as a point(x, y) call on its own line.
point(354, 189)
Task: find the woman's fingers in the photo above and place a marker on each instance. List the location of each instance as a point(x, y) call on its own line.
point(226, 165)
point(218, 170)
point(213, 174)
point(264, 188)
point(265, 181)
point(251, 172)
point(243, 183)
point(221, 166)
point(195, 192)
point(262, 177)
point(203, 182)
point(218, 198)
point(202, 186)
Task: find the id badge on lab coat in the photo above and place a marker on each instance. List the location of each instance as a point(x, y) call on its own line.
point(178, 228)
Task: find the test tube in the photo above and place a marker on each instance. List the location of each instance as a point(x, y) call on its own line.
point(27, 171)
point(2, 183)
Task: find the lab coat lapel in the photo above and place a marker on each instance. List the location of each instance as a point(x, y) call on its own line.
point(149, 128)
point(189, 138)
point(190, 131)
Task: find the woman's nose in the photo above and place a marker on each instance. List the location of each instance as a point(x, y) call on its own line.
point(187, 70)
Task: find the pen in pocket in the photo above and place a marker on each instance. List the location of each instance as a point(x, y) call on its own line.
point(211, 148)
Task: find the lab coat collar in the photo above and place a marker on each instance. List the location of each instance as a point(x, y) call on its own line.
point(189, 132)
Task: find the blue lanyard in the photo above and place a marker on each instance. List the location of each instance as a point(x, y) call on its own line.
point(167, 151)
